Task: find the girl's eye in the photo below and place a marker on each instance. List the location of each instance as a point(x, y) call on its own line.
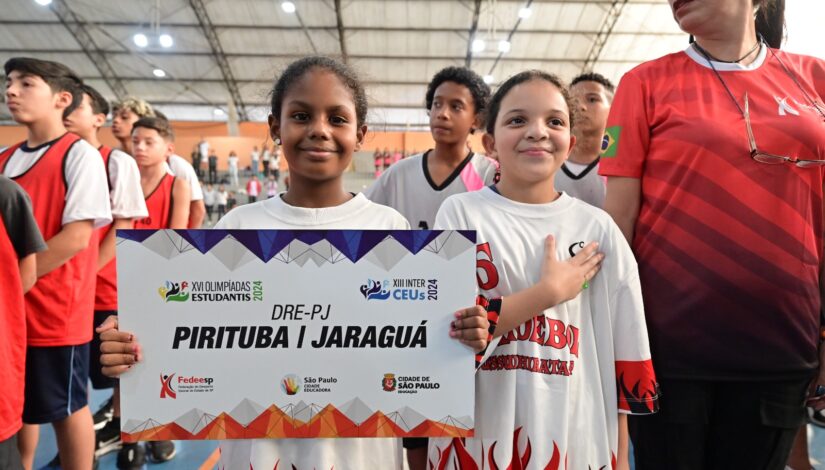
point(556, 122)
point(338, 120)
point(300, 116)
point(515, 121)
point(457, 107)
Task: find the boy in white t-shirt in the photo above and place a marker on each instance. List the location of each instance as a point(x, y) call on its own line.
point(416, 186)
point(556, 383)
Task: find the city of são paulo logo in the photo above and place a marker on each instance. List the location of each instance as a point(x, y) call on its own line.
point(174, 291)
point(408, 383)
point(212, 291)
point(171, 385)
point(405, 289)
point(291, 384)
point(389, 382)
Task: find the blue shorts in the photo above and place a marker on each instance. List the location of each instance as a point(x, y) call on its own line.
point(56, 382)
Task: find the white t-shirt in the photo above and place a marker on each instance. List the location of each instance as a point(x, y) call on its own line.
point(221, 197)
point(209, 196)
point(203, 148)
point(553, 386)
point(87, 194)
point(125, 193)
point(582, 182)
point(408, 188)
point(177, 166)
point(255, 155)
point(345, 454)
point(233, 162)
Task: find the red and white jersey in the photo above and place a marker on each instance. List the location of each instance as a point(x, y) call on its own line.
point(319, 454)
point(408, 187)
point(725, 243)
point(127, 203)
point(548, 393)
point(66, 181)
point(159, 203)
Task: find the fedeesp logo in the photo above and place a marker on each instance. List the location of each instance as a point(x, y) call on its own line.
point(212, 291)
point(174, 291)
point(400, 289)
point(166, 390)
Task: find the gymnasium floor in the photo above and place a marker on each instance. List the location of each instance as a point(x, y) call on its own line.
point(203, 455)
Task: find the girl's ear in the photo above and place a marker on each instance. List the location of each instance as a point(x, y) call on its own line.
point(489, 142)
point(478, 122)
point(359, 137)
point(274, 127)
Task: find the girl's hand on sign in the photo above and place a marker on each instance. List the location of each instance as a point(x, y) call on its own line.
point(471, 327)
point(119, 350)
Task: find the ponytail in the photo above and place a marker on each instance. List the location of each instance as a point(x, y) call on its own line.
point(770, 21)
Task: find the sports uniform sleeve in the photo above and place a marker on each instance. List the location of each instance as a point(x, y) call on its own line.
point(16, 210)
point(87, 194)
point(182, 169)
point(637, 389)
point(627, 135)
point(378, 191)
point(126, 194)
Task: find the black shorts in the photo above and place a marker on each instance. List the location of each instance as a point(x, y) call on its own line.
point(56, 382)
point(712, 425)
point(99, 381)
point(9, 455)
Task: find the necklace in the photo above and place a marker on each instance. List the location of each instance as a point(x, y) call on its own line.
point(707, 54)
point(710, 60)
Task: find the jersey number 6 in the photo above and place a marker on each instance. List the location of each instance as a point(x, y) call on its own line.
point(485, 269)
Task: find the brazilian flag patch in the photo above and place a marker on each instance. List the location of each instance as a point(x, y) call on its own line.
point(610, 141)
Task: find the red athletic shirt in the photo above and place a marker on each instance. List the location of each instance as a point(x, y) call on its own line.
point(60, 307)
point(106, 289)
point(729, 249)
point(13, 334)
point(159, 203)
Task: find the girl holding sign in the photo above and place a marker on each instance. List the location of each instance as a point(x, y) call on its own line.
point(319, 110)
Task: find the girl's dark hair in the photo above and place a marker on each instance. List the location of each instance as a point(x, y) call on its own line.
point(465, 77)
point(300, 67)
point(517, 79)
point(770, 21)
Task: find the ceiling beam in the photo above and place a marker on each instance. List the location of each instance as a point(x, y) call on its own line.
point(614, 11)
point(266, 55)
point(509, 39)
point(341, 39)
point(78, 29)
point(468, 60)
point(220, 57)
point(333, 29)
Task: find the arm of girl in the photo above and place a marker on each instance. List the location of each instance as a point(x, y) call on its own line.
point(119, 350)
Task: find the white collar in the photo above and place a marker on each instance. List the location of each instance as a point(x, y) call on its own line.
point(728, 66)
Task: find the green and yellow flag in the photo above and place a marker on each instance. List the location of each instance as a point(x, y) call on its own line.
point(610, 142)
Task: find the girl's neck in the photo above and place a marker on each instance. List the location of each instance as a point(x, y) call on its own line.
point(542, 192)
point(450, 154)
point(733, 43)
point(44, 131)
point(315, 194)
